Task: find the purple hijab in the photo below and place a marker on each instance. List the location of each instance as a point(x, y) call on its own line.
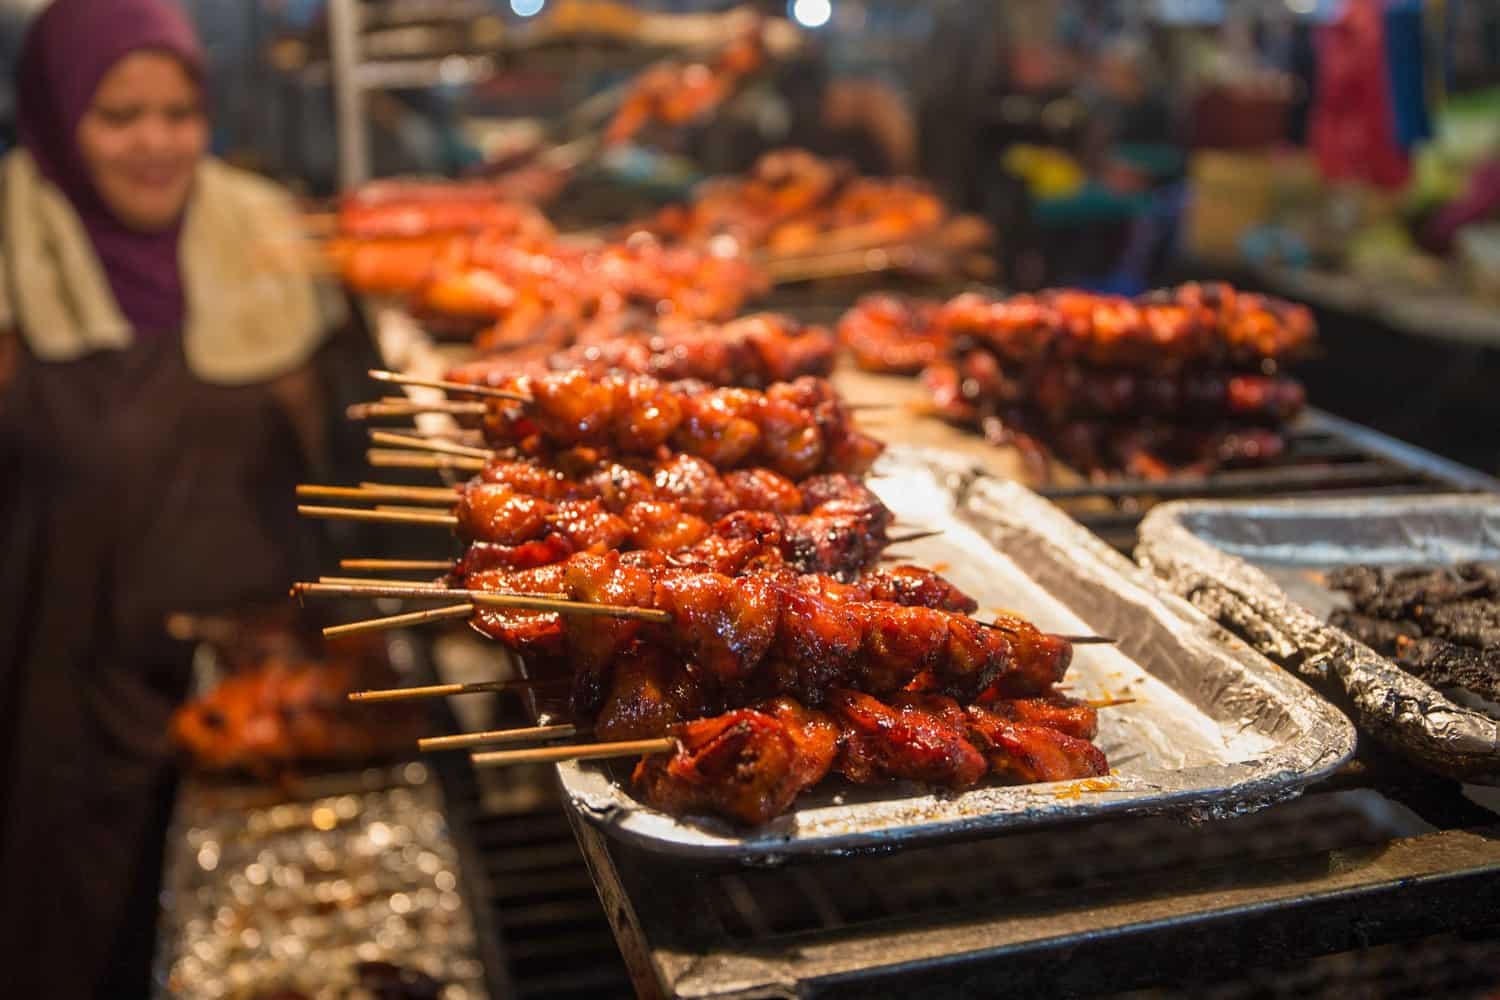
point(67, 51)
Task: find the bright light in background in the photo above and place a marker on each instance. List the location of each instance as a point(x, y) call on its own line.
point(1302, 6)
point(527, 8)
point(811, 13)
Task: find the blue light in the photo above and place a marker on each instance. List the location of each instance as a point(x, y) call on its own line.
point(527, 8)
point(811, 13)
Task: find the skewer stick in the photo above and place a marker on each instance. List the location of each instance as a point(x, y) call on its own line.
point(447, 386)
point(440, 690)
point(487, 599)
point(399, 621)
point(913, 537)
point(448, 690)
point(383, 516)
point(593, 751)
point(437, 565)
point(386, 458)
point(499, 737)
point(366, 411)
point(375, 492)
point(440, 493)
point(1075, 640)
point(1109, 702)
point(428, 444)
point(365, 581)
point(394, 508)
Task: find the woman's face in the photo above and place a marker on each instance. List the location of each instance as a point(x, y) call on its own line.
point(142, 138)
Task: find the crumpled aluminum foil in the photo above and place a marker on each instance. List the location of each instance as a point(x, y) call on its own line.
point(262, 895)
point(1252, 566)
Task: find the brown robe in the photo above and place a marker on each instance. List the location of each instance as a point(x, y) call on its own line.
point(129, 489)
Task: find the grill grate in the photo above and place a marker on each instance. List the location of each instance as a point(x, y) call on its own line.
point(543, 912)
point(1325, 456)
point(1125, 898)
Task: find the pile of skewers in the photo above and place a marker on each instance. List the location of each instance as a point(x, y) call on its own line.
point(750, 352)
point(1440, 624)
point(803, 216)
point(513, 278)
point(470, 263)
point(701, 576)
point(1184, 380)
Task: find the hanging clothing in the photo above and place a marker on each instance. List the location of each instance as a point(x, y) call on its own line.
point(1352, 128)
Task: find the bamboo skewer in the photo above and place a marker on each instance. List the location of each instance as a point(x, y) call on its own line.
point(429, 444)
point(913, 537)
point(399, 621)
point(448, 690)
point(429, 690)
point(386, 458)
point(395, 508)
point(447, 386)
point(500, 737)
point(591, 751)
point(375, 565)
point(487, 599)
point(540, 602)
point(370, 581)
point(376, 492)
point(442, 690)
point(409, 408)
point(441, 493)
point(382, 516)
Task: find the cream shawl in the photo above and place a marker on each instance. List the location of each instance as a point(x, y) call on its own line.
point(252, 312)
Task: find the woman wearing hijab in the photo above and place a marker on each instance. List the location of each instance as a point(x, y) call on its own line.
point(155, 397)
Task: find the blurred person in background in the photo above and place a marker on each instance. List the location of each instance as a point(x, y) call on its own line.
point(157, 405)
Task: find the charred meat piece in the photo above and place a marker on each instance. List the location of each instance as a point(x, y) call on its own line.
point(742, 765)
point(1446, 664)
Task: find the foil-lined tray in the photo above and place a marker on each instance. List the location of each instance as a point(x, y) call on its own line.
point(266, 896)
point(1214, 729)
point(1257, 566)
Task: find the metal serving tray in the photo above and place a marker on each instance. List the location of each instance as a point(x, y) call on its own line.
point(1257, 568)
point(1214, 730)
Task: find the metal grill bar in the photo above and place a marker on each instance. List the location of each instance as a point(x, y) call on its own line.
point(1326, 456)
point(1243, 915)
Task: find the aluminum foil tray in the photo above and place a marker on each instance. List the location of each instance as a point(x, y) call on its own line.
point(1257, 566)
point(262, 895)
point(1214, 730)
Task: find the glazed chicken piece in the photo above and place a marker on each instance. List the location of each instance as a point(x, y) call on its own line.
point(768, 632)
point(890, 334)
point(1027, 752)
point(913, 738)
point(747, 765)
point(795, 428)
